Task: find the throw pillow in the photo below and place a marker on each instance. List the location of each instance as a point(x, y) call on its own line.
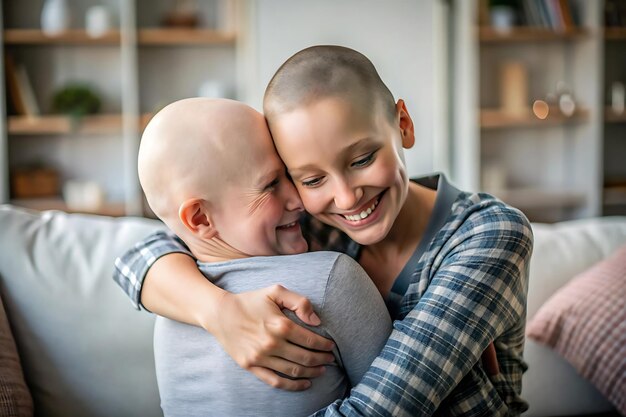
point(585, 322)
point(15, 399)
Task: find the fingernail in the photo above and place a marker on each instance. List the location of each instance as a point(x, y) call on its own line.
point(315, 321)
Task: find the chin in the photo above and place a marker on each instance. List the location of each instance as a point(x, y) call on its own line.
point(300, 247)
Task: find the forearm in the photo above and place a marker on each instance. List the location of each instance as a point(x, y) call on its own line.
point(190, 298)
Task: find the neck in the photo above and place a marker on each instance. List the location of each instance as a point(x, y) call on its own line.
point(213, 250)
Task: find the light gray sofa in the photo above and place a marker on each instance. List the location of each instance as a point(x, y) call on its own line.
point(86, 352)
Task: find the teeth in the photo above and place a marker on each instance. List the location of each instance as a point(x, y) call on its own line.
point(362, 215)
point(286, 226)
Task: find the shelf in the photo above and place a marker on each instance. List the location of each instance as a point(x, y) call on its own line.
point(40, 204)
point(148, 37)
point(157, 36)
point(497, 119)
point(68, 37)
point(615, 34)
point(529, 34)
point(63, 125)
point(611, 117)
point(535, 198)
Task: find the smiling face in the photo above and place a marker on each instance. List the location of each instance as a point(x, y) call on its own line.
point(258, 210)
point(210, 171)
point(347, 163)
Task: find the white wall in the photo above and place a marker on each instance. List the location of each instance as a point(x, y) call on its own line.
point(398, 36)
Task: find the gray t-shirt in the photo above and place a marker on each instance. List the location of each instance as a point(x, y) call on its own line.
point(197, 378)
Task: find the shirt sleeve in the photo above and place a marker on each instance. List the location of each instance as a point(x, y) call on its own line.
point(131, 268)
point(355, 317)
point(476, 294)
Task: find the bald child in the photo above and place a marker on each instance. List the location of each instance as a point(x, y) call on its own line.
point(210, 172)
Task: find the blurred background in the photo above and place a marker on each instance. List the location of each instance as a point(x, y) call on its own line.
point(523, 99)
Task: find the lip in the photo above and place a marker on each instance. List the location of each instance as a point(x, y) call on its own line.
point(291, 226)
point(376, 213)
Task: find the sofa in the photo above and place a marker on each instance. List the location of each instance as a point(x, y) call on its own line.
point(85, 351)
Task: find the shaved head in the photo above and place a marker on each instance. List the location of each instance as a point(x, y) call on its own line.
point(327, 71)
point(195, 149)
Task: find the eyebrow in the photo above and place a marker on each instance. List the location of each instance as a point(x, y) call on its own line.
point(348, 148)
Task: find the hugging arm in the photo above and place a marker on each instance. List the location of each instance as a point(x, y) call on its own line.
point(160, 274)
point(477, 293)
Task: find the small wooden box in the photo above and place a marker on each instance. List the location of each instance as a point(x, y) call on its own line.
point(34, 183)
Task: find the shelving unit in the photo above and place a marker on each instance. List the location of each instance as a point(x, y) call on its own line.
point(137, 68)
point(614, 135)
point(549, 168)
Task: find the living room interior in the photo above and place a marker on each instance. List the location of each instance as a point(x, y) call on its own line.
point(522, 99)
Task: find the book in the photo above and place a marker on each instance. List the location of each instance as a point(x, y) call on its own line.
point(31, 108)
point(15, 93)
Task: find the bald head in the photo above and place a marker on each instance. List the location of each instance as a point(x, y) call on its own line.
point(326, 71)
point(196, 148)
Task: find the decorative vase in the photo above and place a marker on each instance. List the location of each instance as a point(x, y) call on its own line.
point(55, 17)
point(97, 21)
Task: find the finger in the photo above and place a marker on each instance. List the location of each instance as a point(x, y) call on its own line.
point(305, 338)
point(305, 357)
point(490, 360)
point(292, 369)
point(300, 305)
point(273, 380)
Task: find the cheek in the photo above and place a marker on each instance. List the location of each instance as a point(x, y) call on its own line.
point(311, 199)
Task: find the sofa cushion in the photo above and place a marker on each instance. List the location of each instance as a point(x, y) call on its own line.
point(561, 251)
point(15, 399)
point(85, 350)
point(585, 322)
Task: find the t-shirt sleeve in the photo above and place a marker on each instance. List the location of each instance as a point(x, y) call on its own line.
point(131, 268)
point(355, 317)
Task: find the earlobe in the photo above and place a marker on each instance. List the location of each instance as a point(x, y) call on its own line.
point(196, 217)
point(405, 123)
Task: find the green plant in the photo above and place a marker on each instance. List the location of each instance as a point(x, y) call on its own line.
point(76, 100)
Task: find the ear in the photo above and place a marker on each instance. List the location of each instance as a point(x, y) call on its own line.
point(405, 123)
point(196, 217)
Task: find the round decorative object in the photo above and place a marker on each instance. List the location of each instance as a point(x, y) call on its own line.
point(55, 17)
point(97, 21)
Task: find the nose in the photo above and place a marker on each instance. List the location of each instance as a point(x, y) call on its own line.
point(292, 198)
point(346, 196)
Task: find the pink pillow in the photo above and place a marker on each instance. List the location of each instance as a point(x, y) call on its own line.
point(585, 322)
point(15, 398)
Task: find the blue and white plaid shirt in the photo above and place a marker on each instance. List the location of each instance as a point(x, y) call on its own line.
point(466, 288)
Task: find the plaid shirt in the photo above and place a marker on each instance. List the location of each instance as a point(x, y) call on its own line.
point(468, 289)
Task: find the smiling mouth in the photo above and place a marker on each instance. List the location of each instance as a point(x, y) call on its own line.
point(365, 213)
point(288, 225)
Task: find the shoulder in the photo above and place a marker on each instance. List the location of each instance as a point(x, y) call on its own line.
point(479, 219)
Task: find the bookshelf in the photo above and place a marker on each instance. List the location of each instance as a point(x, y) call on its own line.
point(614, 128)
point(550, 167)
point(136, 68)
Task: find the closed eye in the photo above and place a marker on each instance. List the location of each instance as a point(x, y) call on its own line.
point(364, 161)
point(272, 185)
point(312, 182)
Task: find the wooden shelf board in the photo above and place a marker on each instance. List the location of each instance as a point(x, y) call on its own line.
point(611, 117)
point(68, 37)
point(530, 34)
point(496, 118)
point(63, 125)
point(151, 36)
point(537, 198)
point(159, 36)
point(57, 203)
point(615, 34)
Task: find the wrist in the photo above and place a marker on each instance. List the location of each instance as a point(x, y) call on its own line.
point(208, 315)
